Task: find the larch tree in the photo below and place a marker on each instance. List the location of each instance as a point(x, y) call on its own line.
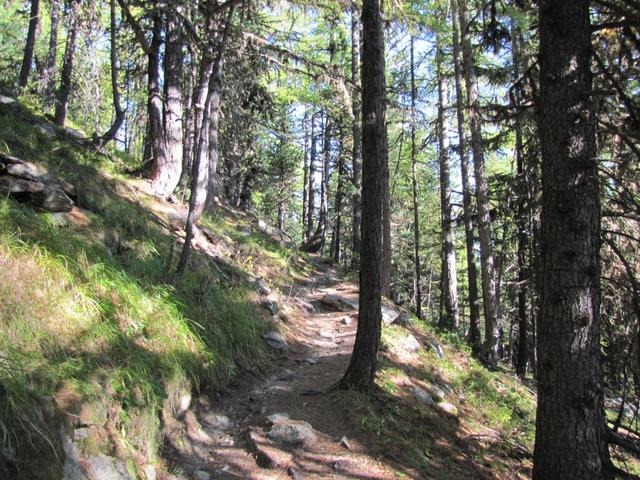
point(27, 58)
point(571, 431)
point(356, 109)
point(487, 261)
point(360, 374)
point(467, 196)
point(449, 315)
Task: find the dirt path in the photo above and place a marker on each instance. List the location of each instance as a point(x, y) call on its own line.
point(232, 436)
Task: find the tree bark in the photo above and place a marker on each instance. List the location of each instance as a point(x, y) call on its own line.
point(571, 435)
point(449, 315)
point(360, 374)
point(213, 185)
point(156, 139)
point(487, 263)
point(522, 221)
point(336, 239)
point(211, 61)
point(356, 109)
point(417, 280)
point(115, 90)
point(48, 83)
point(312, 173)
point(27, 58)
point(62, 101)
point(467, 198)
point(166, 179)
point(321, 231)
point(305, 172)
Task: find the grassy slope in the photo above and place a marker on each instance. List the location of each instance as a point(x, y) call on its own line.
point(91, 328)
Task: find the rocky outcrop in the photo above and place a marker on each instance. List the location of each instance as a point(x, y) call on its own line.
point(31, 183)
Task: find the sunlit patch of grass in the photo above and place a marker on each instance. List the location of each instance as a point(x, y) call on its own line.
point(89, 316)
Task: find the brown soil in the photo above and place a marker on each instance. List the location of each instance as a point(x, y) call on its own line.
point(298, 384)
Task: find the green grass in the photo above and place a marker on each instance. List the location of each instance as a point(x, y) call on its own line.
point(92, 326)
point(491, 405)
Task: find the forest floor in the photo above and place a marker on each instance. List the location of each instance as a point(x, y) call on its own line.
point(232, 435)
point(234, 440)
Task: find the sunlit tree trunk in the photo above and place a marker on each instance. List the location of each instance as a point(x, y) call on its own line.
point(27, 58)
point(115, 89)
point(467, 197)
point(417, 280)
point(48, 81)
point(62, 97)
point(448, 281)
point(487, 263)
point(166, 179)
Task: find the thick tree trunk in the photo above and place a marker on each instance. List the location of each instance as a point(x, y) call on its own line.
point(386, 226)
point(27, 58)
point(62, 100)
point(167, 177)
point(449, 315)
point(489, 291)
point(156, 139)
point(48, 80)
point(360, 374)
point(115, 90)
point(417, 280)
point(356, 109)
point(189, 123)
point(467, 198)
point(571, 439)
point(213, 186)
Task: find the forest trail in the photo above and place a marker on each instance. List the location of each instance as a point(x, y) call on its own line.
point(232, 436)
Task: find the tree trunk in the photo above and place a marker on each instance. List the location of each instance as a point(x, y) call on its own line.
point(336, 240)
point(210, 62)
point(571, 432)
point(62, 101)
point(115, 90)
point(189, 123)
point(213, 188)
point(386, 225)
point(48, 82)
point(521, 219)
point(356, 109)
point(305, 172)
point(482, 194)
point(417, 287)
point(323, 218)
point(156, 139)
point(312, 173)
point(449, 315)
point(467, 198)
point(166, 179)
point(360, 374)
point(27, 58)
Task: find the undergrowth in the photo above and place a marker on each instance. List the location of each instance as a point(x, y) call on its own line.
point(93, 330)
